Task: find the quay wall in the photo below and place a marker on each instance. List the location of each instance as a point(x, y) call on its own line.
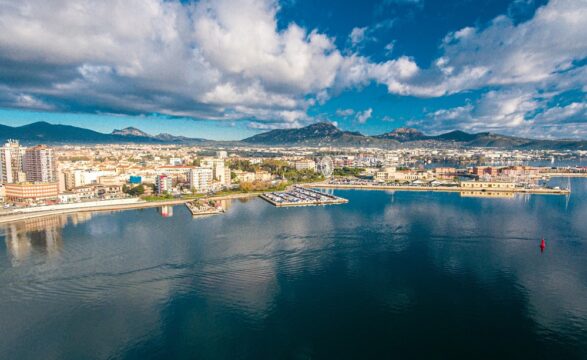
point(435, 188)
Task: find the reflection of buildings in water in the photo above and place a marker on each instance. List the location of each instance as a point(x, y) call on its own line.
point(80, 218)
point(39, 234)
point(488, 194)
point(166, 211)
point(226, 204)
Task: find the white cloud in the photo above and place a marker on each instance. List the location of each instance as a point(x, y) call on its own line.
point(28, 101)
point(389, 48)
point(363, 116)
point(207, 60)
point(357, 35)
point(227, 60)
point(503, 54)
point(495, 111)
point(345, 112)
point(517, 112)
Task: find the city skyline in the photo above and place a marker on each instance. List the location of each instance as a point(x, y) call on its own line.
point(228, 70)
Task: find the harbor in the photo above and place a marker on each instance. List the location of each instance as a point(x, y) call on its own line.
point(300, 196)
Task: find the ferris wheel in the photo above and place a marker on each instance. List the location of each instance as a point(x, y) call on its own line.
point(326, 166)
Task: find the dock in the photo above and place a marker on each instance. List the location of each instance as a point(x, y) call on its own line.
point(199, 208)
point(299, 196)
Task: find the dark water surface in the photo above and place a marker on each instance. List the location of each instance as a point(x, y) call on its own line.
point(389, 275)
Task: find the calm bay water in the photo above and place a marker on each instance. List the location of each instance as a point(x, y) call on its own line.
point(388, 275)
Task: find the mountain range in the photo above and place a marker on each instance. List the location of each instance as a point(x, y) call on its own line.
point(43, 132)
point(318, 134)
point(326, 134)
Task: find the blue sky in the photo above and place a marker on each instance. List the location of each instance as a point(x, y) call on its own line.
point(227, 69)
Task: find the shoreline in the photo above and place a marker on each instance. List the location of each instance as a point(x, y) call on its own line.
point(436, 188)
point(563, 175)
point(115, 207)
point(152, 204)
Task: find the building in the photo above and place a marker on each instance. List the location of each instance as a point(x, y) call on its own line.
point(135, 180)
point(109, 180)
point(244, 176)
point(386, 174)
point(113, 191)
point(163, 183)
point(447, 171)
point(77, 178)
point(218, 169)
point(227, 176)
point(485, 171)
point(11, 170)
point(263, 175)
point(27, 191)
point(175, 161)
point(86, 192)
point(39, 164)
point(221, 154)
point(305, 164)
point(200, 179)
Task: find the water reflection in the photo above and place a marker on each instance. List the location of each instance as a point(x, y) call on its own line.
point(417, 270)
point(166, 211)
point(488, 194)
point(42, 235)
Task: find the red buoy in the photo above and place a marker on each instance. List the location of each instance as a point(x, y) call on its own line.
point(542, 245)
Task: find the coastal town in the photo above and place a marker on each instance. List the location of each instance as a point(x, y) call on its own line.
point(41, 178)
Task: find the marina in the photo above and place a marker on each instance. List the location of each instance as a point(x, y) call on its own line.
point(299, 196)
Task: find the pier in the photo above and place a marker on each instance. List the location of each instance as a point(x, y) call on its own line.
point(299, 196)
point(199, 208)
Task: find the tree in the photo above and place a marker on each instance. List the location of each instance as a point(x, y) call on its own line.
point(137, 190)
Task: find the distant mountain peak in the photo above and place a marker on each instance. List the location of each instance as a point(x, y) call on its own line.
point(317, 134)
point(130, 131)
point(404, 134)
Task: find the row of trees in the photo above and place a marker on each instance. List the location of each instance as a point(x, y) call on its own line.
point(348, 171)
point(261, 186)
point(277, 167)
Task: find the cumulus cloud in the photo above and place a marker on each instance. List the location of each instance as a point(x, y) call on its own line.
point(528, 64)
point(228, 60)
point(205, 60)
point(514, 111)
point(494, 111)
point(363, 116)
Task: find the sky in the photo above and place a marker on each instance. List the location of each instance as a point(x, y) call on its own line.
point(227, 69)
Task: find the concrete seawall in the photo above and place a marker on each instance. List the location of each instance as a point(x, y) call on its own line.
point(91, 208)
point(107, 205)
point(436, 188)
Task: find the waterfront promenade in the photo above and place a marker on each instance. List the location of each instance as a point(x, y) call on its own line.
point(135, 203)
point(540, 191)
point(94, 206)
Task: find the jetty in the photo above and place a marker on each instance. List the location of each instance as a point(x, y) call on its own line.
point(199, 208)
point(299, 196)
